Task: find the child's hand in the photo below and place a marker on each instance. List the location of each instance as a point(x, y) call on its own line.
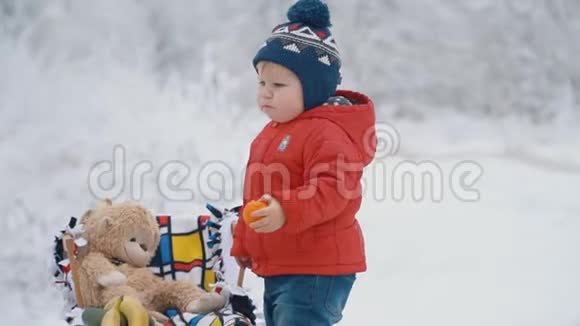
point(273, 217)
point(244, 261)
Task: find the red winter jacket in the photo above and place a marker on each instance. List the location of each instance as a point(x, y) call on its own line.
point(313, 166)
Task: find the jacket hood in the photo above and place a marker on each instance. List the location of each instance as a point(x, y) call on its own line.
point(357, 121)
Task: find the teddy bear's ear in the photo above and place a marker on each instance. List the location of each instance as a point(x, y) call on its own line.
point(86, 215)
point(104, 203)
point(105, 223)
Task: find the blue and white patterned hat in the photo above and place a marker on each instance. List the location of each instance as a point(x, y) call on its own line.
point(306, 46)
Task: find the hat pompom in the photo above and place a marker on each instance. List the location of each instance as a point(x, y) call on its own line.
point(313, 13)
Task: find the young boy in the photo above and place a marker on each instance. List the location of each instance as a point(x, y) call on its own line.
point(306, 164)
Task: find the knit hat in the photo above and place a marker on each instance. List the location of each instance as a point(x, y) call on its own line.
point(306, 47)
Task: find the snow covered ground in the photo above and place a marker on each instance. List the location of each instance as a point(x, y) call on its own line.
point(77, 82)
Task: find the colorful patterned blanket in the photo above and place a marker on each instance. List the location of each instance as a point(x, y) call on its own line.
point(190, 249)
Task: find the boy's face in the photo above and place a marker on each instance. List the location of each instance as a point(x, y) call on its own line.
point(279, 92)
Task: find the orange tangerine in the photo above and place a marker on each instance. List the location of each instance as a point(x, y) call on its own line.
point(251, 207)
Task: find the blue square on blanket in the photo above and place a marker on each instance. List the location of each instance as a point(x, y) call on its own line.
point(163, 254)
point(165, 249)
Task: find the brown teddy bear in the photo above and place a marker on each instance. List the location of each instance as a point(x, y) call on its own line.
point(122, 239)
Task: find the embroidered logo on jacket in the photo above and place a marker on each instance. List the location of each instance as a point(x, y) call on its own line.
point(284, 143)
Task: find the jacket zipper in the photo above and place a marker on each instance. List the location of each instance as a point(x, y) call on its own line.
point(261, 236)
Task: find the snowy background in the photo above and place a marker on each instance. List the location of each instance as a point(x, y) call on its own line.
point(495, 82)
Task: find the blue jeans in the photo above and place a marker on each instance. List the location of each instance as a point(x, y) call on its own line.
point(312, 300)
